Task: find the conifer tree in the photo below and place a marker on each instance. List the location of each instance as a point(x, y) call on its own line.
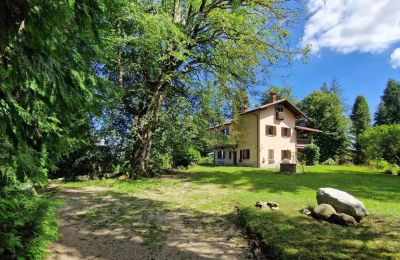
point(361, 120)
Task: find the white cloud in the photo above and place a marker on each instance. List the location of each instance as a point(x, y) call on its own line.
point(353, 25)
point(395, 59)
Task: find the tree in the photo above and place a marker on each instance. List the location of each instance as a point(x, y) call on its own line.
point(158, 47)
point(382, 142)
point(45, 85)
point(281, 93)
point(324, 112)
point(389, 107)
point(361, 120)
point(335, 88)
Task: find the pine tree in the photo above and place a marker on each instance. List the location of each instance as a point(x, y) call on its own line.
point(389, 107)
point(361, 120)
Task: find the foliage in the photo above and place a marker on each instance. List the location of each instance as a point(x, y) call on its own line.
point(329, 161)
point(281, 93)
point(382, 142)
point(379, 164)
point(361, 120)
point(205, 160)
point(325, 113)
point(389, 107)
point(45, 88)
point(311, 154)
point(27, 224)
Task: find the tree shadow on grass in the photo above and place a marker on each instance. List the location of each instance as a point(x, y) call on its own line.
point(98, 223)
point(301, 237)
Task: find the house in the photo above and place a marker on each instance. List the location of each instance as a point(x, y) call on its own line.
point(267, 135)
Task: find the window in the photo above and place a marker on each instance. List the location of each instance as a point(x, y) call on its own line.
point(270, 154)
point(225, 131)
point(286, 154)
point(230, 154)
point(270, 130)
point(286, 132)
point(221, 154)
point(278, 109)
point(245, 154)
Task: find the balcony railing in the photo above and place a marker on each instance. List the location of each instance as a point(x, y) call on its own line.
point(303, 141)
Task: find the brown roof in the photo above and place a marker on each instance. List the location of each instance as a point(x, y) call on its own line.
point(289, 105)
point(307, 129)
point(224, 124)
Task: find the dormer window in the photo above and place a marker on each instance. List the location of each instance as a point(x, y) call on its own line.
point(225, 131)
point(279, 113)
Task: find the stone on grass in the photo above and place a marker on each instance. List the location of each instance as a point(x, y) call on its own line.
point(324, 211)
point(343, 202)
point(342, 219)
point(306, 212)
point(267, 205)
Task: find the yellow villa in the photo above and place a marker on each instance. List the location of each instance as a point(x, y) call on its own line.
point(268, 136)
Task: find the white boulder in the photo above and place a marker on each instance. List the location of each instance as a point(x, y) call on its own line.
point(343, 202)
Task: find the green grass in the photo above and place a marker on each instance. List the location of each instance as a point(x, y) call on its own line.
point(216, 190)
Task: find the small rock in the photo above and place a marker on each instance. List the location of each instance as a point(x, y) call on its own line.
point(272, 204)
point(324, 211)
point(267, 205)
point(306, 212)
point(343, 219)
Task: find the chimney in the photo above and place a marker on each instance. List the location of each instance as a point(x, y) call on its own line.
point(272, 96)
point(244, 109)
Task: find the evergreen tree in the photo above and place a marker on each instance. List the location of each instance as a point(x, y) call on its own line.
point(325, 113)
point(361, 120)
point(389, 107)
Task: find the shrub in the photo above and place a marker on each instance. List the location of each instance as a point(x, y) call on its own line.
point(27, 224)
point(311, 154)
point(206, 160)
point(378, 164)
point(330, 161)
point(194, 155)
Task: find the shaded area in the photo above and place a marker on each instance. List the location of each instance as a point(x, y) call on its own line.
point(96, 222)
point(302, 237)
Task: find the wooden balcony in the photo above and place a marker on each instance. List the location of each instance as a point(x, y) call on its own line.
point(303, 141)
point(279, 115)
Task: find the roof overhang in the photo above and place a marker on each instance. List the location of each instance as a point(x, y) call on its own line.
point(298, 114)
point(307, 129)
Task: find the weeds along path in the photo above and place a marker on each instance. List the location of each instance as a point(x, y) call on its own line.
point(100, 223)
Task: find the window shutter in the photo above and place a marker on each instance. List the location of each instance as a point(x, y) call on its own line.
point(282, 154)
point(289, 132)
point(241, 154)
point(274, 130)
point(248, 154)
point(266, 129)
point(283, 131)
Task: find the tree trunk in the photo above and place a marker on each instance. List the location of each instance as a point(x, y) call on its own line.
point(143, 129)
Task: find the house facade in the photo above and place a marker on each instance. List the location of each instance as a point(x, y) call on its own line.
point(267, 136)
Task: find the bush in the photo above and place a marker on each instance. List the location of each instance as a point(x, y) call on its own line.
point(194, 155)
point(206, 160)
point(378, 164)
point(330, 161)
point(27, 224)
point(311, 154)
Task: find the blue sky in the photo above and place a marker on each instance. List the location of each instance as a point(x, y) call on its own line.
point(355, 41)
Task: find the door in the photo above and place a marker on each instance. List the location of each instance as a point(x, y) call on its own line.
point(234, 157)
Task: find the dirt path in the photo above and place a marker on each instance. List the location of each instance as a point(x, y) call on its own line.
point(97, 223)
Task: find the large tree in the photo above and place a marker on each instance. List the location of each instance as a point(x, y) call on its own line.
point(45, 83)
point(361, 120)
point(389, 107)
point(157, 47)
point(324, 112)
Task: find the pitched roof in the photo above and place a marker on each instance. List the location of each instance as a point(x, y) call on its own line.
point(285, 102)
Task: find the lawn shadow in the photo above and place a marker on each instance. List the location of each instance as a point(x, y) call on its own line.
point(302, 237)
point(96, 222)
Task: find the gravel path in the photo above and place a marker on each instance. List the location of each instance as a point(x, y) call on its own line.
point(96, 223)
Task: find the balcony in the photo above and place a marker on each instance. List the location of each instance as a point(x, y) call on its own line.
point(279, 115)
point(303, 141)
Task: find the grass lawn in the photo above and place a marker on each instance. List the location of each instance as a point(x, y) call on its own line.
point(288, 234)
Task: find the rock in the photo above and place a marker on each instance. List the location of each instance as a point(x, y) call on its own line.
point(306, 212)
point(342, 219)
point(324, 211)
point(267, 205)
point(343, 202)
